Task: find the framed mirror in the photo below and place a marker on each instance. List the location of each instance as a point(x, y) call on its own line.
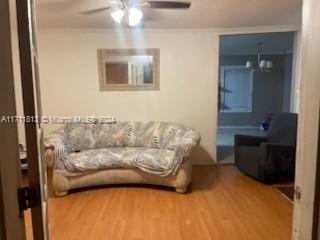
point(129, 69)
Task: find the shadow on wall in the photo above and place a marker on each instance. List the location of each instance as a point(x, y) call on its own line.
point(201, 157)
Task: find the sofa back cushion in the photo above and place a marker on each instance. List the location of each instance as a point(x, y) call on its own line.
point(110, 135)
point(124, 134)
point(138, 134)
point(79, 136)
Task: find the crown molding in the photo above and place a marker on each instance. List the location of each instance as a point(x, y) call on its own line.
point(219, 31)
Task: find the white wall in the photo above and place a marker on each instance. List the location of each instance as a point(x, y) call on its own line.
point(188, 79)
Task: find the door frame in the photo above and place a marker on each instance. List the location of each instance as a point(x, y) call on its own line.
point(12, 225)
point(316, 211)
point(307, 147)
point(37, 168)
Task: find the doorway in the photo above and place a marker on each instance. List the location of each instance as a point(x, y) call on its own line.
point(256, 82)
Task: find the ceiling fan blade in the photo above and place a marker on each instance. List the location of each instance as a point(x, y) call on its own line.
point(151, 15)
point(168, 4)
point(97, 10)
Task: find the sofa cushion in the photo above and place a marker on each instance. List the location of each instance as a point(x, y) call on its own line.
point(151, 160)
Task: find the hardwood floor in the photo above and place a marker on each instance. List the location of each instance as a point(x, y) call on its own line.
point(223, 204)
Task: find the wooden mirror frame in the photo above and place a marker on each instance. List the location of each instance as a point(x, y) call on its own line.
point(154, 52)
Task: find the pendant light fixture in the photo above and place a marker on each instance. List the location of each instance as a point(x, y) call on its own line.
point(261, 65)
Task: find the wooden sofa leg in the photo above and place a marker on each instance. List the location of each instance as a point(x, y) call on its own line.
point(181, 189)
point(60, 184)
point(61, 194)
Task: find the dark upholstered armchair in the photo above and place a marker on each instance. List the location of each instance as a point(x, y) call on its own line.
point(270, 157)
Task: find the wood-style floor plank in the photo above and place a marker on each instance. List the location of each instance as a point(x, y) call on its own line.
point(223, 204)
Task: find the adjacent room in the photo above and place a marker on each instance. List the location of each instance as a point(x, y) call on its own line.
point(257, 82)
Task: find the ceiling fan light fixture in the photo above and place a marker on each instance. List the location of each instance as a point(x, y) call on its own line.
point(117, 15)
point(261, 64)
point(269, 64)
point(249, 64)
point(135, 16)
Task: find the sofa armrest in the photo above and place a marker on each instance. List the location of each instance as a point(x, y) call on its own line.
point(271, 147)
point(278, 146)
point(279, 157)
point(50, 157)
point(188, 142)
point(188, 152)
point(190, 139)
point(54, 145)
point(248, 140)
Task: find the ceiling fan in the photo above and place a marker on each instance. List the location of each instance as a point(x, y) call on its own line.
point(130, 9)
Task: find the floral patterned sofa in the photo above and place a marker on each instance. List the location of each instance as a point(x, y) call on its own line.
point(84, 155)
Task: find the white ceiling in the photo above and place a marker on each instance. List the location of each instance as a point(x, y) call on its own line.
point(202, 14)
point(273, 43)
